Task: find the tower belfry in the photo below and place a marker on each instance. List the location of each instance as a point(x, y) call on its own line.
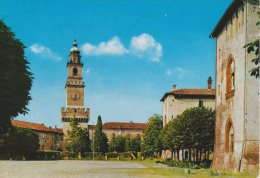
point(75, 92)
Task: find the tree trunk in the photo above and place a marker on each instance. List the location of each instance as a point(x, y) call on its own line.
point(205, 154)
point(174, 154)
point(189, 155)
point(197, 155)
point(200, 154)
point(178, 155)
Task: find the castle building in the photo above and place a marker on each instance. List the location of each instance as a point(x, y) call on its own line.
point(49, 138)
point(124, 129)
point(75, 93)
point(177, 101)
point(237, 92)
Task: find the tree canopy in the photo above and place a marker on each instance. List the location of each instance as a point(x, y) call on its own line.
point(194, 128)
point(100, 138)
point(118, 144)
point(133, 144)
point(15, 77)
point(152, 136)
point(19, 142)
point(78, 138)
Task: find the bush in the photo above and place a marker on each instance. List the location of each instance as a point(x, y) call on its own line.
point(112, 154)
point(89, 155)
point(49, 155)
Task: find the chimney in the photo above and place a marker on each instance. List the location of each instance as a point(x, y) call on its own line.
point(131, 122)
point(209, 83)
point(55, 126)
point(174, 87)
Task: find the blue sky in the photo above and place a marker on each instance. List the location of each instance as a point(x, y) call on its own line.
point(133, 52)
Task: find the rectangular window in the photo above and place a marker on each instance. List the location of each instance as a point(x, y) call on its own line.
point(128, 136)
point(43, 135)
point(43, 147)
point(47, 136)
point(218, 90)
point(236, 21)
point(200, 103)
point(226, 33)
point(219, 53)
point(231, 25)
point(58, 137)
point(52, 136)
point(113, 135)
point(242, 20)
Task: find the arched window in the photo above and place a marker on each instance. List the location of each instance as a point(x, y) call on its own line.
point(230, 74)
point(75, 71)
point(229, 142)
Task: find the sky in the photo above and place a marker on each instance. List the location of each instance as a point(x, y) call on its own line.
point(133, 52)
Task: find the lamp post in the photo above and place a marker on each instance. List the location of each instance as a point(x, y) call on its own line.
point(93, 140)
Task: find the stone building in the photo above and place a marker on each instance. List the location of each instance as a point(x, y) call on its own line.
point(237, 93)
point(177, 101)
point(75, 93)
point(125, 129)
point(49, 138)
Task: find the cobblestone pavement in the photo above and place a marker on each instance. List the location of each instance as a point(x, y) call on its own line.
point(67, 168)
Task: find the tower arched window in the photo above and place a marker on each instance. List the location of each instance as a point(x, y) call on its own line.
point(75, 71)
point(229, 142)
point(230, 83)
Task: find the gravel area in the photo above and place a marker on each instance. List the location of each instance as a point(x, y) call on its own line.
point(67, 168)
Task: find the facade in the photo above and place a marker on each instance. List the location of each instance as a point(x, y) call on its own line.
point(237, 94)
point(177, 101)
point(49, 138)
point(75, 93)
point(125, 129)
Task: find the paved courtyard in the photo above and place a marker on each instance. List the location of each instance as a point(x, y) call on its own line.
point(67, 168)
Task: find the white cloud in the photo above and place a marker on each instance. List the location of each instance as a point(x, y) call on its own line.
point(112, 47)
point(146, 46)
point(88, 71)
point(44, 52)
point(179, 72)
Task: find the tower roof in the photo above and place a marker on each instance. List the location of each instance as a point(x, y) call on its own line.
point(74, 49)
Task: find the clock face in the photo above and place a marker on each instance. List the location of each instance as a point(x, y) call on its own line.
point(75, 96)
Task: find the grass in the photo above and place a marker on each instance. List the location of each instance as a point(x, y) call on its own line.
point(159, 170)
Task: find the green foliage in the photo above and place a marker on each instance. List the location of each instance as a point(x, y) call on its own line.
point(254, 48)
point(19, 142)
point(49, 155)
point(194, 128)
point(152, 135)
point(15, 78)
point(118, 144)
point(112, 154)
point(100, 138)
point(133, 144)
point(78, 138)
point(181, 164)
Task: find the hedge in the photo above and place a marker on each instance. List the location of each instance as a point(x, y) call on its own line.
point(49, 155)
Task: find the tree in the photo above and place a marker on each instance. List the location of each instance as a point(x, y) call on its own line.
point(193, 129)
point(152, 136)
point(19, 142)
point(100, 138)
point(15, 78)
point(168, 137)
point(254, 47)
point(78, 138)
point(133, 144)
point(118, 144)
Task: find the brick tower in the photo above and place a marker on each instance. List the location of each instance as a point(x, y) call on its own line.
point(75, 93)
